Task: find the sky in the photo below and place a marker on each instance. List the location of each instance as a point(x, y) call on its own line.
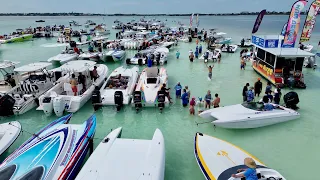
point(145, 6)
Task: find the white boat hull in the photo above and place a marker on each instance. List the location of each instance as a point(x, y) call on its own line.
point(9, 133)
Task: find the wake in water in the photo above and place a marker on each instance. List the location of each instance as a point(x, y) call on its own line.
point(54, 45)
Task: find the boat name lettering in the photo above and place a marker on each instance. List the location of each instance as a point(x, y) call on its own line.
point(67, 156)
point(265, 68)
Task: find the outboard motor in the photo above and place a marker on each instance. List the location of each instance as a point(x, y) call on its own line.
point(118, 100)
point(58, 106)
point(47, 104)
point(291, 100)
point(137, 98)
point(6, 105)
point(140, 62)
point(96, 99)
point(161, 100)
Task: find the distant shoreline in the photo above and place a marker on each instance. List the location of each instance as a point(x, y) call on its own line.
point(133, 14)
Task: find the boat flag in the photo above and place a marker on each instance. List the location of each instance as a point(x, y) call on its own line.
point(283, 31)
point(310, 21)
point(258, 21)
point(191, 20)
point(198, 20)
point(293, 24)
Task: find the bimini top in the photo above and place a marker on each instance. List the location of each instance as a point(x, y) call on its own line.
point(33, 67)
point(75, 66)
point(287, 52)
point(7, 64)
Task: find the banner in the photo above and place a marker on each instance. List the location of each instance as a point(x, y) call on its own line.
point(198, 20)
point(258, 21)
point(284, 29)
point(310, 21)
point(191, 20)
point(293, 24)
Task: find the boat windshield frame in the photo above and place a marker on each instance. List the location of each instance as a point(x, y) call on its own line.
point(253, 106)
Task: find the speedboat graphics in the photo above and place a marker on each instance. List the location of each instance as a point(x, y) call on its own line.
point(56, 152)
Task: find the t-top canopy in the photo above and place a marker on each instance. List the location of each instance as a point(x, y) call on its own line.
point(287, 52)
point(33, 67)
point(7, 64)
point(75, 66)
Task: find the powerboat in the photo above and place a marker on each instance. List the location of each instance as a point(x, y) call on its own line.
point(307, 47)
point(56, 152)
point(101, 30)
point(219, 159)
point(148, 91)
point(159, 56)
point(211, 55)
point(245, 43)
point(90, 23)
point(16, 38)
point(144, 160)
point(6, 71)
point(248, 115)
point(92, 56)
point(33, 81)
point(115, 55)
point(221, 39)
point(117, 91)
point(61, 97)
point(229, 48)
point(9, 133)
point(64, 57)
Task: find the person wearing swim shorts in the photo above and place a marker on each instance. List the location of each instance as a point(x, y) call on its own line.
point(208, 99)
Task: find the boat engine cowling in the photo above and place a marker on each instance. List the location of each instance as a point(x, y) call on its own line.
point(96, 99)
point(6, 105)
point(47, 104)
point(137, 98)
point(161, 99)
point(291, 100)
point(118, 100)
point(58, 106)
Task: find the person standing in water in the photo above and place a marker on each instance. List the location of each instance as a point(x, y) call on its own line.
point(268, 88)
point(208, 99)
point(184, 98)
point(197, 41)
point(216, 101)
point(210, 71)
point(191, 56)
point(196, 53)
point(192, 105)
point(242, 64)
point(250, 95)
point(244, 92)
point(189, 93)
point(257, 87)
point(177, 54)
point(178, 89)
point(200, 49)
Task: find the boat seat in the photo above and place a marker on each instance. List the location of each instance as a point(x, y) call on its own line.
point(18, 99)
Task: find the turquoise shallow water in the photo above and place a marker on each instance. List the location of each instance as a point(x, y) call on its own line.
point(290, 147)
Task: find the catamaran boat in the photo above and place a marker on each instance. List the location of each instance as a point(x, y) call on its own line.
point(56, 152)
point(33, 81)
point(229, 48)
point(118, 88)
point(211, 55)
point(159, 56)
point(7, 70)
point(92, 56)
point(65, 56)
point(115, 55)
point(219, 159)
point(144, 160)
point(62, 98)
point(249, 115)
point(148, 91)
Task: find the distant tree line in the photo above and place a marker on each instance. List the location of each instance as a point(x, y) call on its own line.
point(119, 14)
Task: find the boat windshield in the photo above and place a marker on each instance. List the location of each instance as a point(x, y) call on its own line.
point(253, 105)
point(117, 82)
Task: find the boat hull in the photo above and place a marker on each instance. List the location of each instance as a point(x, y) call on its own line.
point(19, 39)
point(12, 131)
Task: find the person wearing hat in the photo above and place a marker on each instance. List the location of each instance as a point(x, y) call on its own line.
point(250, 95)
point(257, 87)
point(250, 173)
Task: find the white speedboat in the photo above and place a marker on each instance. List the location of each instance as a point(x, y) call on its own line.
point(211, 55)
point(7, 70)
point(64, 57)
point(148, 91)
point(159, 56)
point(92, 56)
point(117, 91)
point(34, 80)
point(115, 55)
point(221, 39)
point(229, 48)
point(135, 158)
point(9, 132)
point(248, 115)
point(61, 97)
point(245, 43)
point(219, 159)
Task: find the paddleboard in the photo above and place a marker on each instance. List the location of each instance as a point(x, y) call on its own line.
point(219, 159)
